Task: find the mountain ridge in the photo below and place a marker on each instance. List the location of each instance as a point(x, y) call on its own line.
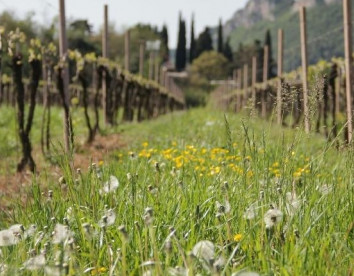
point(259, 10)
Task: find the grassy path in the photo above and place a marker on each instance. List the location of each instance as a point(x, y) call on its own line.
point(192, 192)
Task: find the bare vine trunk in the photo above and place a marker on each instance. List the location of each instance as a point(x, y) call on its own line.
point(25, 128)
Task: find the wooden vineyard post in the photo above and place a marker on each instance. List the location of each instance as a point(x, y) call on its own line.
point(265, 79)
point(245, 82)
point(348, 65)
point(254, 80)
point(104, 55)
point(304, 67)
point(280, 73)
point(141, 58)
point(151, 65)
point(157, 68)
point(1, 90)
point(127, 51)
point(63, 50)
point(239, 79)
point(239, 87)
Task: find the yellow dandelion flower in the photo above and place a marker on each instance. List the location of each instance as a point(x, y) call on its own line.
point(100, 163)
point(238, 237)
point(145, 144)
point(98, 271)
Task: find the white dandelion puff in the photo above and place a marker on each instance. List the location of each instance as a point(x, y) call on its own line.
point(250, 212)
point(8, 238)
point(245, 273)
point(30, 231)
point(223, 208)
point(110, 186)
point(324, 189)
point(3, 269)
point(204, 250)
point(61, 233)
point(177, 271)
point(272, 217)
point(35, 262)
point(108, 218)
point(292, 203)
point(219, 263)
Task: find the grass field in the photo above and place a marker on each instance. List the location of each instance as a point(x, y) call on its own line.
point(191, 192)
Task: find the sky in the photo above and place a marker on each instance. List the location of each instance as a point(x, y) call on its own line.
point(125, 13)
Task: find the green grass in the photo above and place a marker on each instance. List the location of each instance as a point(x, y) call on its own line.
point(181, 165)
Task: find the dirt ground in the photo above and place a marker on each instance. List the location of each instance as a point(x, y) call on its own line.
point(15, 185)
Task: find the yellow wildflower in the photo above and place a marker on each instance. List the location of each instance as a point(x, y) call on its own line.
point(145, 144)
point(238, 237)
point(98, 271)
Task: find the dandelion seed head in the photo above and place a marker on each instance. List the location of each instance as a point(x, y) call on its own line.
point(204, 250)
point(272, 217)
point(148, 216)
point(110, 186)
point(61, 233)
point(7, 238)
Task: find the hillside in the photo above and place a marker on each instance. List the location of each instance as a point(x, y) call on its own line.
point(325, 31)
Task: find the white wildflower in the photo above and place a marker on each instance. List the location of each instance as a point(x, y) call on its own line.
point(272, 217)
point(61, 233)
point(324, 189)
point(245, 273)
point(223, 208)
point(110, 186)
point(30, 231)
point(7, 238)
point(292, 204)
point(108, 218)
point(204, 250)
point(3, 268)
point(219, 263)
point(250, 212)
point(35, 262)
point(177, 271)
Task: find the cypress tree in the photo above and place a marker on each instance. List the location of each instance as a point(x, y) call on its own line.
point(164, 50)
point(204, 42)
point(259, 53)
point(181, 52)
point(271, 63)
point(220, 37)
point(227, 50)
point(192, 50)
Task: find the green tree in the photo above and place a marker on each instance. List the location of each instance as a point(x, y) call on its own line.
point(164, 50)
point(79, 37)
point(227, 50)
point(204, 42)
point(220, 38)
point(208, 66)
point(181, 52)
point(271, 62)
point(192, 49)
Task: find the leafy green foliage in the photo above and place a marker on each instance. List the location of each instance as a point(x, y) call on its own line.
point(208, 66)
point(325, 34)
point(204, 42)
